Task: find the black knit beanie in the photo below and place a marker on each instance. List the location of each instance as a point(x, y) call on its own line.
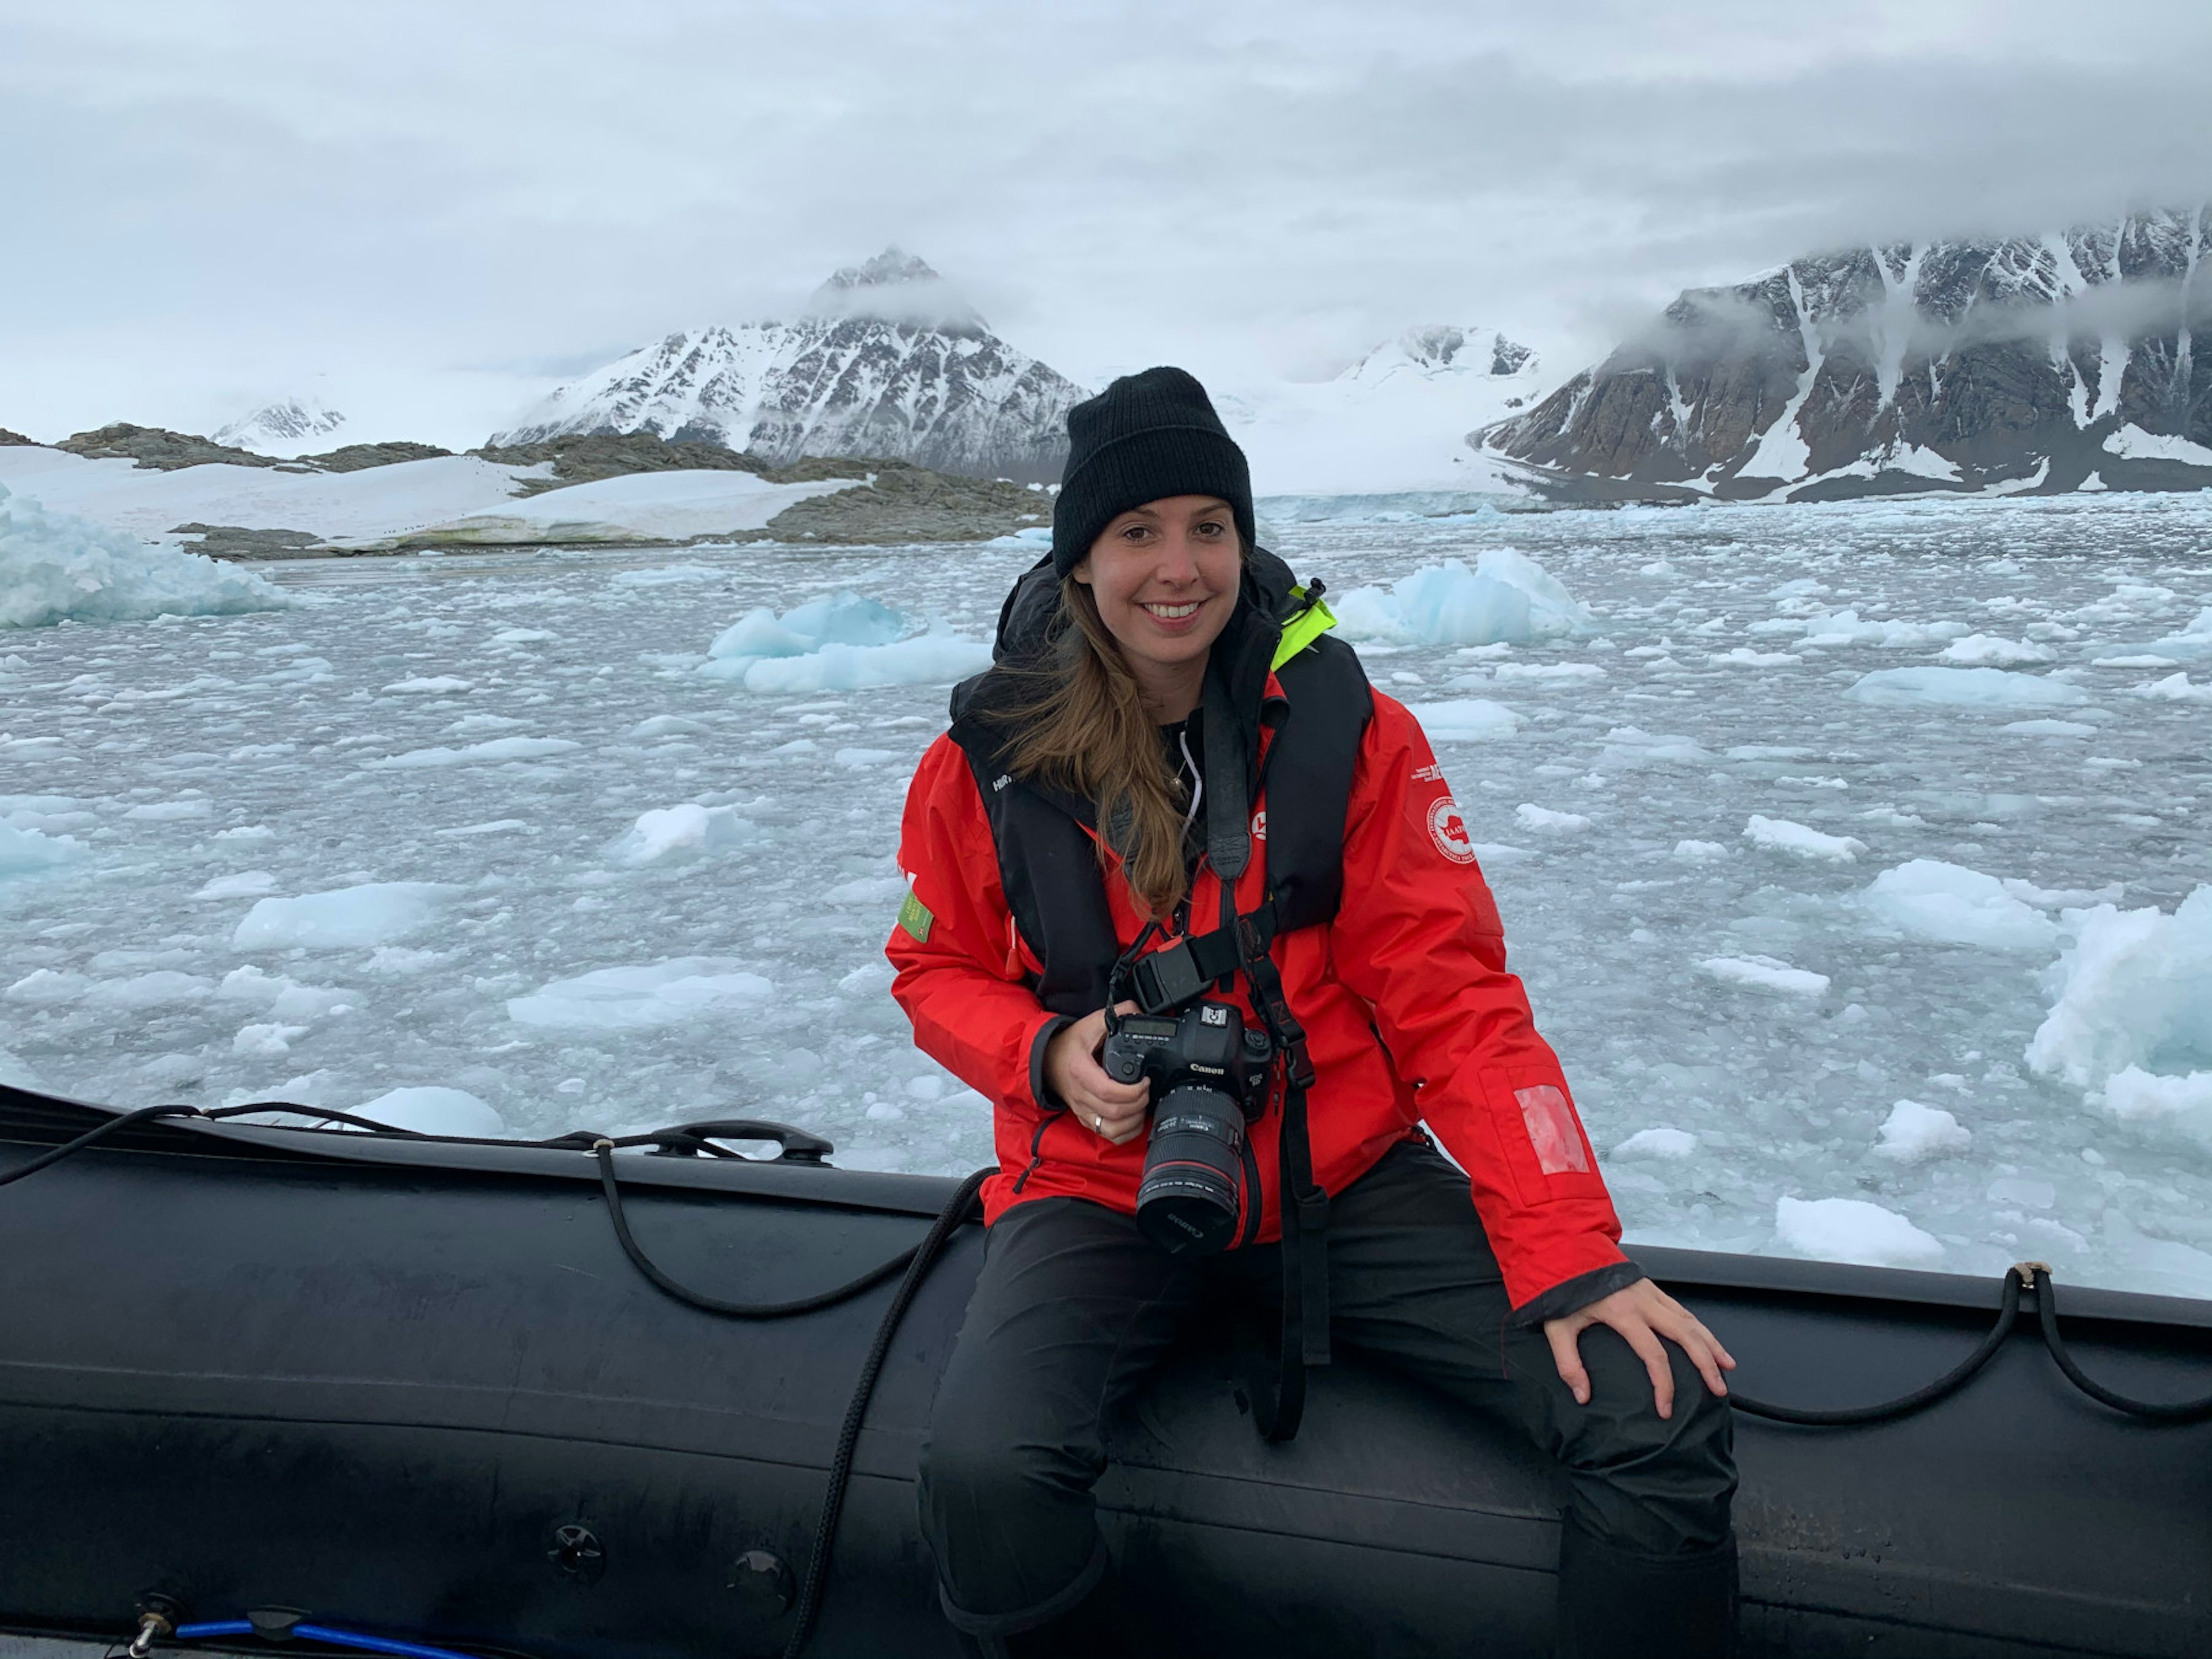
point(1145, 437)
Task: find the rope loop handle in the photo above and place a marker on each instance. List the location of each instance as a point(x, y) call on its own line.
point(2021, 1276)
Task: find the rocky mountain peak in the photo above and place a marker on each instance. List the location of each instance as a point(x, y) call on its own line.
point(886, 361)
point(284, 427)
point(896, 288)
point(2052, 361)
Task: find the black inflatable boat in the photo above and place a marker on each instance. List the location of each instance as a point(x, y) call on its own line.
point(417, 1389)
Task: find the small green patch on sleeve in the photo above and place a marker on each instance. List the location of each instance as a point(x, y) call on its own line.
point(913, 916)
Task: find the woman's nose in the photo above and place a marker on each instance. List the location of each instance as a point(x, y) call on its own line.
point(1178, 562)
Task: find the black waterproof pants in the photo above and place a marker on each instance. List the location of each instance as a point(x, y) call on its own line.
point(1075, 1308)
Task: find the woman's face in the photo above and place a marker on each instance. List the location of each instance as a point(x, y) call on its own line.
point(1165, 577)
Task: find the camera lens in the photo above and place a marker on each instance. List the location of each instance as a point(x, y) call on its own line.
point(1187, 1202)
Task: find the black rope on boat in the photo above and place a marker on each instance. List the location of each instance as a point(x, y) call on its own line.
point(604, 1149)
point(2047, 1315)
point(923, 1258)
point(2025, 1275)
point(93, 1136)
point(1919, 1400)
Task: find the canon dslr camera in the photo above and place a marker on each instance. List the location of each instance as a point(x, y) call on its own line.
point(1209, 1076)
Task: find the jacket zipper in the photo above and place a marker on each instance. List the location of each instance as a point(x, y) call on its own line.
point(1035, 1156)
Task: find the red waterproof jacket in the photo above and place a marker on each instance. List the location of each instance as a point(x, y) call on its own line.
point(1410, 1014)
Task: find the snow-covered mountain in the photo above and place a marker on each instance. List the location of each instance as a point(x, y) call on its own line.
point(1396, 421)
point(886, 362)
point(289, 426)
point(2074, 359)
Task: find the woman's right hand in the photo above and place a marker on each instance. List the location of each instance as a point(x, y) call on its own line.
point(1116, 1111)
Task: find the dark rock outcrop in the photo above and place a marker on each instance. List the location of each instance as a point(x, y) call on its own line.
point(17, 438)
point(231, 541)
point(909, 504)
point(886, 362)
point(158, 447)
point(359, 458)
point(2043, 363)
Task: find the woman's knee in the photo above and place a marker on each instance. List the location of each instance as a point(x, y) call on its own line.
point(1655, 1485)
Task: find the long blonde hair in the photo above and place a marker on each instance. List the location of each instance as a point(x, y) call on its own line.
point(1080, 727)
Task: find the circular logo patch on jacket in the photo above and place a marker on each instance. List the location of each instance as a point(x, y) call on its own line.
point(1260, 824)
point(1449, 831)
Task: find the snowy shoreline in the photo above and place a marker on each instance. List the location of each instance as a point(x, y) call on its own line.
point(1806, 823)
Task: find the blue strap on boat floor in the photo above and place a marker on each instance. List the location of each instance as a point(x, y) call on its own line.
point(336, 1638)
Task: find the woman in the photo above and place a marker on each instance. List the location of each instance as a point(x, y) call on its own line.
point(1103, 798)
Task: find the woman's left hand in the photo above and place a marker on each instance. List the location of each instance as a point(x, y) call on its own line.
point(1644, 1314)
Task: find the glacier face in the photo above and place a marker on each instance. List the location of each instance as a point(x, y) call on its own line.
point(887, 361)
point(2044, 363)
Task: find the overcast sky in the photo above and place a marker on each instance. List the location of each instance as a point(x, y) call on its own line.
point(430, 213)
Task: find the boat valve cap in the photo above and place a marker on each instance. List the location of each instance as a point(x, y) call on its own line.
point(764, 1581)
point(577, 1555)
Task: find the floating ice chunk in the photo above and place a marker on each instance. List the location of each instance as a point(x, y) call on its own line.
point(164, 989)
point(1743, 656)
point(45, 987)
point(1852, 1230)
point(667, 575)
point(2135, 1096)
point(265, 1040)
point(281, 998)
point(1699, 851)
point(1661, 1143)
point(434, 1111)
point(845, 619)
point(1988, 651)
point(1507, 597)
point(1548, 671)
point(2023, 1190)
point(859, 759)
point(669, 726)
point(496, 749)
point(643, 998)
point(1532, 816)
point(869, 892)
point(1631, 745)
point(868, 982)
point(2175, 688)
point(936, 657)
point(2133, 996)
point(247, 832)
point(168, 812)
point(2064, 898)
point(1950, 904)
point(32, 852)
point(2049, 728)
point(670, 833)
point(1964, 688)
point(1784, 835)
point(55, 568)
point(1765, 973)
point(1912, 1133)
point(523, 637)
point(490, 827)
point(374, 913)
point(245, 884)
point(1844, 628)
point(432, 682)
point(1468, 720)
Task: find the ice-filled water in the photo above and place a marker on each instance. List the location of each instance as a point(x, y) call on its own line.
point(1842, 961)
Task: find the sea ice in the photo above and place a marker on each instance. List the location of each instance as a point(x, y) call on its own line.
point(643, 998)
point(1912, 1133)
point(1990, 651)
point(2175, 688)
point(1844, 628)
point(1507, 597)
point(433, 1110)
point(1783, 835)
point(1965, 688)
point(670, 833)
point(372, 913)
point(1852, 1230)
point(1532, 816)
point(1467, 721)
point(494, 749)
point(31, 852)
point(1949, 904)
point(2132, 1011)
point(55, 568)
point(1765, 973)
point(840, 643)
point(1659, 1143)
